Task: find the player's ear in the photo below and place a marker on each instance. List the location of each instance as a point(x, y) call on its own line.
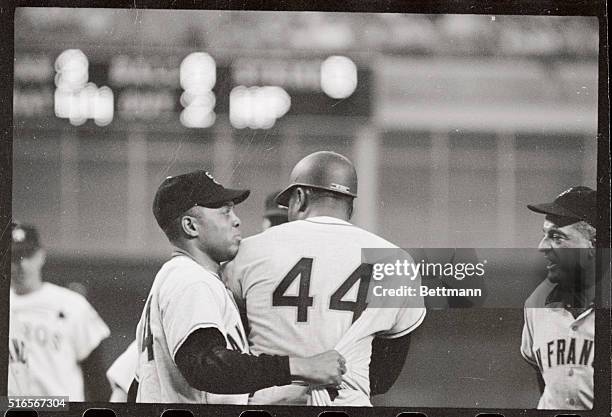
point(302, 198)
point(349, 210)
point(188, 225)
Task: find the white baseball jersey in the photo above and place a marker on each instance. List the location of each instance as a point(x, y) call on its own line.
point(61, 329)
point(562, 347)
point(18, 369)
point(121, 373)
point(184, 297)
point(303, 286)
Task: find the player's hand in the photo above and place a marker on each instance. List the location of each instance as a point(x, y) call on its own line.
point(325, 368)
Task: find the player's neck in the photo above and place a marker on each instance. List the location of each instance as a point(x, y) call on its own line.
point(337, 212)
point(202, 258)
point(587, 295)
point(26, 284)
point(581, 290)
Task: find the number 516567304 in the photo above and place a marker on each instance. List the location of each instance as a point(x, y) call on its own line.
point(51, 403)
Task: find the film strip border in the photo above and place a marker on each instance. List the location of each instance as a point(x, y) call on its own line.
point(286, 411)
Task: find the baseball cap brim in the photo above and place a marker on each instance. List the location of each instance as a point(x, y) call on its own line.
point(552, 209)
point(226, 195)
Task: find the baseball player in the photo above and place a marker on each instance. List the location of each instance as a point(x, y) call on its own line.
point(298, 284)
point(190, 340)
point(121, 373)
point(61, 329)
point(559, 329)
point(274, 214)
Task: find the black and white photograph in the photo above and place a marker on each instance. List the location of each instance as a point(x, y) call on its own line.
point(324, 209)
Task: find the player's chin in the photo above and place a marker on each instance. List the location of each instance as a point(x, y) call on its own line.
point(558, 276)
point(225, 253)
point(232, 250)
point(553, 276)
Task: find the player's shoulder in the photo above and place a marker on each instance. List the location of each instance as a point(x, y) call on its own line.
point(540, 294)
point(278, 230)
point(377, 241)
point(366, 239)
point(181, 272)
point(65, 296)
point(55, 290)
point(270, 237)
point(182, 264)
point(278, 237)
point(344, 230)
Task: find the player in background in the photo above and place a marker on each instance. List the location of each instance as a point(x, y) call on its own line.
point(559, 329)
point(18, 368)
point(61, 329)
point(191, 343)
point(274, 214)
point(295, 281)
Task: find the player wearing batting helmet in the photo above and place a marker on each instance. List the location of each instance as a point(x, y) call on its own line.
point(191, 343)
point(323, 171)
point(318, 253)
point(559, 329)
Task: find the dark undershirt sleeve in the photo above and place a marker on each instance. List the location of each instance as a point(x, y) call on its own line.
point(388, 357)
point(206, 363)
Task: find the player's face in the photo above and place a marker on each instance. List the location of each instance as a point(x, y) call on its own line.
point(219, 232)
point(28, 267)
point(566, 249)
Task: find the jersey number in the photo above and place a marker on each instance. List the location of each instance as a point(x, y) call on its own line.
point(147, 336)
point(302, 301)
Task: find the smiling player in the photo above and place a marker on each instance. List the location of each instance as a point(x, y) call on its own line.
point(559, 330)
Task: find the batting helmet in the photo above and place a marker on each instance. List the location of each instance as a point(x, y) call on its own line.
point(323, 170)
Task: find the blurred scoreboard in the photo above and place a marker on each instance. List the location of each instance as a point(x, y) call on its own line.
point(191, 89)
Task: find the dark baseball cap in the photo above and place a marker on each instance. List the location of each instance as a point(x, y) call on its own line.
point(179, 193)
point(272, 208)
point(25, 241)
point(572, 205)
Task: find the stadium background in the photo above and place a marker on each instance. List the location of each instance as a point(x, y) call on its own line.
point(456, 123)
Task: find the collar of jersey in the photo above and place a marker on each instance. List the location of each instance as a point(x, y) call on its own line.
point(328, 220)
point(181, 252)
point(558, 298)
